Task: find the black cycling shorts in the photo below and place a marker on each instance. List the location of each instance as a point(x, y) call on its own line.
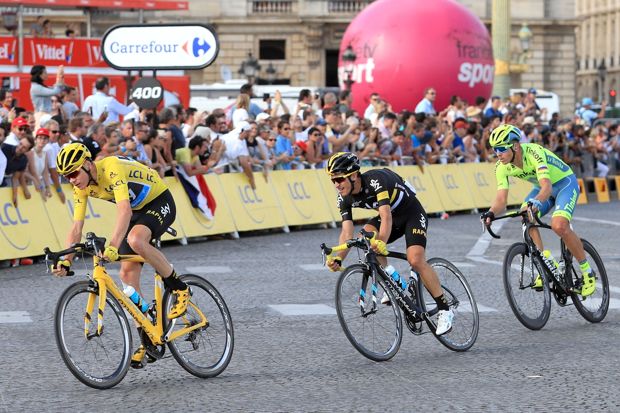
point(411, 221)
point(157, 215)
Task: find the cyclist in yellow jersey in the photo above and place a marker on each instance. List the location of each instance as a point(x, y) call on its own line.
point(145, 211)
point(555, 184)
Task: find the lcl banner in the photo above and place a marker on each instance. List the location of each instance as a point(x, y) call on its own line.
point(53, 52)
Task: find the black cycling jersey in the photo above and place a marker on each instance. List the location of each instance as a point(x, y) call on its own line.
point(379, 187)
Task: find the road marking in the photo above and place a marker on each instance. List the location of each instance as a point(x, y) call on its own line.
point(209, 269)
point(484, 260)
point(483, 242)
point(614, 304)
point(463, 264)
point(597, 221)
point(312, 267)
point(303, 309)
point(10, 317)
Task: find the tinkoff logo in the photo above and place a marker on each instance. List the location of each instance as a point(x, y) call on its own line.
point(199, 47)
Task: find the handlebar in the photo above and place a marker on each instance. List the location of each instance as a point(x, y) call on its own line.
point(523, 214)
point(362, 242)
point(93, 246)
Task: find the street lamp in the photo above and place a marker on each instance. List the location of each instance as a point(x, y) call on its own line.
point(271, 73)
point(525, 34)
point(249, 68)
point(348, 57)
point(602, 74)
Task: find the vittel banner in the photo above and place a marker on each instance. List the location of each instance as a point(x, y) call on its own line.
point(160, 47)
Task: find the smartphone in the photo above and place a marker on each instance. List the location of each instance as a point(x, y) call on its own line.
point(13, 103)
point(265, 97)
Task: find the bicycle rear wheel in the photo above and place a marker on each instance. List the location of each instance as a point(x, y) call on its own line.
point(531, 307)
point(204, 352)
point(594, 307)
point(461, 300)
point(100, 362)
point(377, 335)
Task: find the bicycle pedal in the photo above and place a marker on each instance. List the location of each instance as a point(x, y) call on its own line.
point(138, 364)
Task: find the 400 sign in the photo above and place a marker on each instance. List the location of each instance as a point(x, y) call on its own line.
point(147, 92)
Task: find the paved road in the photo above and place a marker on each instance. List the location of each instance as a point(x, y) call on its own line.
point(303, 362)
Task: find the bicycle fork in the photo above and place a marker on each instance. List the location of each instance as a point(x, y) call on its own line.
point(362, 297)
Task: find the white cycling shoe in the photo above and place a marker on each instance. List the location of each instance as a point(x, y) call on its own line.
point(444, 321)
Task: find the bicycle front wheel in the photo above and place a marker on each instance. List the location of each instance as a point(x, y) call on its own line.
point(101, 361)
point(378, 333)
point(594, 307)
point(531, 306)
point(204, 352)
point(465, 323)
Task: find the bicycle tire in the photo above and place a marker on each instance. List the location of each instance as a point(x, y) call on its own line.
point(205, 352)
point(466, 321)
point(532, 308)
point(594, 307)
point(109, 356)
point(358, 328)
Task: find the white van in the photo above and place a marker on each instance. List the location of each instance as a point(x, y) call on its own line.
point(544, 99)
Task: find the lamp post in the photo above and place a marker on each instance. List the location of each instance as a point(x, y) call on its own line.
point(271, 73)
point(602, 73)
point(249, 68)
point(525, 34)
point(348, 57)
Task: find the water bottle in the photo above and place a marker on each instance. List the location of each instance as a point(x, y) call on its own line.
point(551, 262)
point(136, 299)
point(391, 271)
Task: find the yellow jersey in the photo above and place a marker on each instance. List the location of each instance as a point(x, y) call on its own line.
point(119, 178)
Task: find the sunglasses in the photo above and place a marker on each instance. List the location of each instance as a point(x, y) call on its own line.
point(338, 179)
point(24, 128)
point(271, 140)
point(501, 149)
point(54, 131)
point(73, 174)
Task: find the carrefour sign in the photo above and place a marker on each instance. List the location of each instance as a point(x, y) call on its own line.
point(160, 47)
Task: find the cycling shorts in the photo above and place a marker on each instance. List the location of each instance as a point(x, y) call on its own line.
point(564, 194)
point(157, 215)
point(411, 222)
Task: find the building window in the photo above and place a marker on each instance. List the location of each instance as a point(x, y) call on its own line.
point(272, 49)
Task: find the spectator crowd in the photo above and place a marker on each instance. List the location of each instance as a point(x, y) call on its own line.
point(247, 137)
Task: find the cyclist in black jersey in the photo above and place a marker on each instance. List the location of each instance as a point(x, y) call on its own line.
point(400, 213)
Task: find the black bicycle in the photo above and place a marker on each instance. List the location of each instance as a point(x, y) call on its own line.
point(524, 263)
point(375, 329)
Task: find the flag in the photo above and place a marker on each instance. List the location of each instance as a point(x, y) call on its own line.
point(198, 193)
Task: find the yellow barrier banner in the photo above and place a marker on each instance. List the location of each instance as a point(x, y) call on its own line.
point(480, 178)
point(601, 188)
point(251, 209)
point(424, 186)
point(301, 197)
point(583, 197)
point(331, 194)
point(451, 186)
point(190, 221)
point(25, 230)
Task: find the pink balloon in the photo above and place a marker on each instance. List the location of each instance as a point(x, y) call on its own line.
point(405, 46)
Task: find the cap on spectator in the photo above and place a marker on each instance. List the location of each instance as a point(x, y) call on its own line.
point(262, 116)
point(321, 122)
point(203, 132)
point(44, 118)
point(586, 101)
point(244, 126)
point(42, 131)
point(460, 123)
point(472, 111)
point(302, 145)
point(529, 120)
point(19, 122)
point(532, 90)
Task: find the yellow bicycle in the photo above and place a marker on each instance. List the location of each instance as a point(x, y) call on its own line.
point(98, 353)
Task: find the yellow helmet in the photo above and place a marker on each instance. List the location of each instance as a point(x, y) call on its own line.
point(71, 158)
point(504, 135)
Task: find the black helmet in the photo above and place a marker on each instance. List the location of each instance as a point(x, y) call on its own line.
point(343, 163)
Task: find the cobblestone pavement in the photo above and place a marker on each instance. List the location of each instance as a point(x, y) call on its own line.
point(291, 363)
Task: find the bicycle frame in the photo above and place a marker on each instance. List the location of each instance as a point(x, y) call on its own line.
point(106, 284)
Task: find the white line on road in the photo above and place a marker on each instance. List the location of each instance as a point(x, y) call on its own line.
point(303, 309)
point(208, 269)
point(11, 317)
point(483, 242)
point(312, 267)
point(597, 221)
